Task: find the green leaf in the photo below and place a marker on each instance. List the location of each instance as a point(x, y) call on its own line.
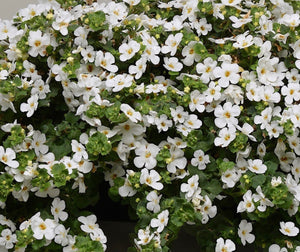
point(6, 186)
point(98, 144)
point(225, 165)
point(85, 244)
point(61, 148)
point(200, 49)
point(17, 136)
point(60, 174)
point(258, 180)
point(38, 244)
point(214, 186)
point(41, 180)
point(272, 167)
point(95, 20)
point(71, 118)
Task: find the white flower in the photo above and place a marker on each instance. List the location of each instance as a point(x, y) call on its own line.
point(127, 190)
point(178, 114)
point(172, 64)
point(106, 61)
point(291, 20)
point(57, 210)
point(172, 43)
point(84, 166)
point(43, 228)
point(227, 246)
point(3, 74)
point(40, 88)
point(213, 92)
point(79, 151)
point(100, 237)
point(288, 228)
point(264, 202)
point(247, 203)
point(274, 129)
point(202, 27)
point(293, 76)
point(61, 235)
point(7, 29)
point(145, 236)
point(155, 88)
point(228, 73)
point(131, 113)
point(207, 210)
point(161, 221)
point(7, 238)
point(151, 179)
point(269, 94)
point(234, 94)
point(38, 43)
point(226, 136)
point(257, 166)
point(296, 169)
point(197, 101)
point(206, 69)
point(51, 191)
point(189, 53)
point(30, 106)
point(62, 21)
point(146, 156)
point(264, 118)
point(139, 68)
point(7, 157)
point(244, 232)
point(89, 224)
point(237, 23)
point(291, 92)
point(276, 248)
point(243, 41)
point(254, 91)
point(177, 159)
point(81, 34)
point(127, 51)
point(132, 2)
point(276, 181)
point(116, 11)
point(226, 115)
point(115, 172)
point(163, 123)
point(175, 24)
point(88, 54)
point(200, 159)
point(153, 201)
point(193, 122)
point(230, 177)
point(38, 140)
point(190, 187)
point(119, 82)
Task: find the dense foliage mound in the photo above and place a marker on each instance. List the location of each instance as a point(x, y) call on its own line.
point(188, 110)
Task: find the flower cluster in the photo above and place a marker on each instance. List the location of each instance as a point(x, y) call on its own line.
point(189, 110)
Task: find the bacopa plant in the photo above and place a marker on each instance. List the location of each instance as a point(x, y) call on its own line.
point(189, 111)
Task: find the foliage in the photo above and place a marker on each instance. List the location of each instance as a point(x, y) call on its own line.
point(188, 110)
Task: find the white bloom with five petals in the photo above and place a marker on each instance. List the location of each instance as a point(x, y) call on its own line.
point(146, 156)
point(172, 64)
point(244, 232)
point(227, 246)
point(288, 228)
point(7, 157)
point(128, 50)
point(151, 179)
point(161, 221)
